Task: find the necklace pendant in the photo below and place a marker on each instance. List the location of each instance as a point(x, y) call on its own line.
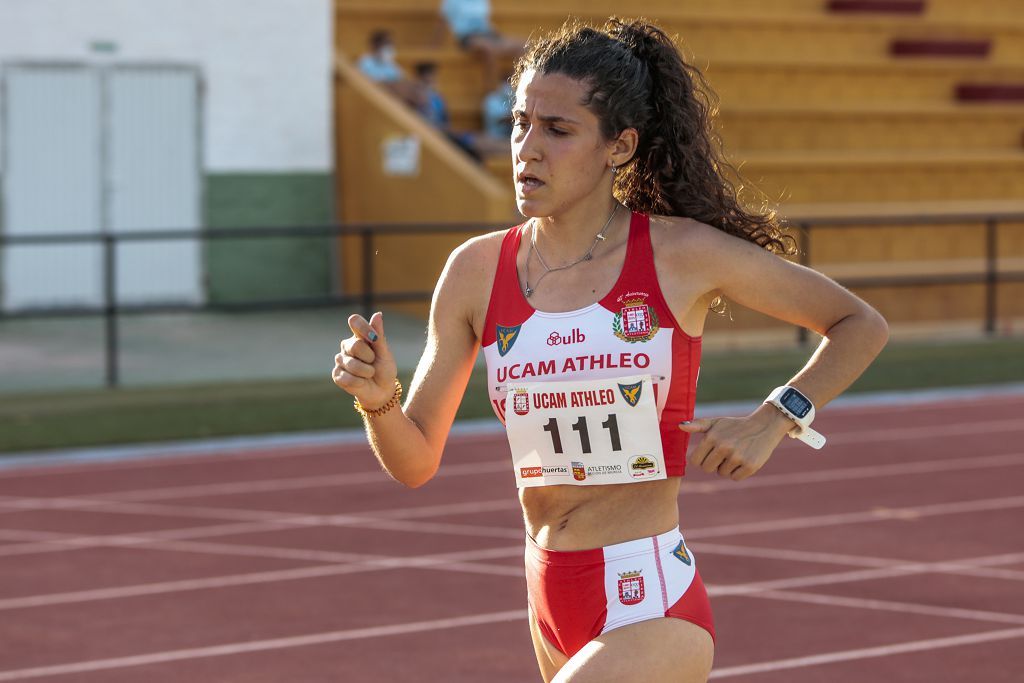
point(587, 257)
point(529, 292)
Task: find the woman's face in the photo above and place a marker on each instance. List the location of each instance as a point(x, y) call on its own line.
point(559, 156)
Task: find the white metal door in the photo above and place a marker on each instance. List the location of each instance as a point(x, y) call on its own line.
point(51, 184)
point(154, 181)
point(92, 150)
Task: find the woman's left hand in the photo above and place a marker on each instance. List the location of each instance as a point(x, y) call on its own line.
point(737, 447)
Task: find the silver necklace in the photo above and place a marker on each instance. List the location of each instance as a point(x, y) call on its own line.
point(586, 257)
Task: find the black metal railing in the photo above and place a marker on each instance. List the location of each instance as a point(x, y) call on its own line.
point(368, 297)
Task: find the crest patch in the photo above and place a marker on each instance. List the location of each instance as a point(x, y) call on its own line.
point(631, 587)
point(579, 472)
point(631, 392)
point(507, 337)
point(635, 322)
point(681, 554)
point(521, 402)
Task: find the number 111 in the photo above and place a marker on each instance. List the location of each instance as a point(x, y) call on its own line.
point(580, 426)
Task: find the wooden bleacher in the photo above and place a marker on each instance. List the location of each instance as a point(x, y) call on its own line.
point(818, 110)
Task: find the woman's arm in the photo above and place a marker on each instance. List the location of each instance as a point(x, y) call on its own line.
point(853, 335)
point(409, 441)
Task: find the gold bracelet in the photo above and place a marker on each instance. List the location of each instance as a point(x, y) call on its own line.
point(377, 412)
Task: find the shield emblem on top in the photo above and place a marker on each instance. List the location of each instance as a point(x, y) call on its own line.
point(507, 336)
point(521, 402)
point(631, 392)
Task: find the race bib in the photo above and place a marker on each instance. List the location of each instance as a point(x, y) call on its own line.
point(584, 433)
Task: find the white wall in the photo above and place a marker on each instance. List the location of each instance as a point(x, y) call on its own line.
point(266, 65)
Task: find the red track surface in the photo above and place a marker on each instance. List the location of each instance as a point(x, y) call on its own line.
point(896, 554)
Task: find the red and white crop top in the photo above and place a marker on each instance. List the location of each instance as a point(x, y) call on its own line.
point(631, 331)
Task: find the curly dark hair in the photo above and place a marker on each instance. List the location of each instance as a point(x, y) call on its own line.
point(637, 78)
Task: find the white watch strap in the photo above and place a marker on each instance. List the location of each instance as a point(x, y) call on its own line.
point(810, 437)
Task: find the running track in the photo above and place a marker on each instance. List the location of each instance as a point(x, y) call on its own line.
point(897, 554)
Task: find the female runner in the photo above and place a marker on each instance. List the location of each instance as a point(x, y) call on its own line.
point(590, 316)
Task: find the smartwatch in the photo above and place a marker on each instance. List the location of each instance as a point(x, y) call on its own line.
point(800, 410)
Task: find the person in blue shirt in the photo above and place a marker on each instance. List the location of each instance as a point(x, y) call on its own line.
point(470, 22)
point(435, 110)
point(379, 66)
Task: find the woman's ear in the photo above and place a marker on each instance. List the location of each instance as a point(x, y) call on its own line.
point(624, 147)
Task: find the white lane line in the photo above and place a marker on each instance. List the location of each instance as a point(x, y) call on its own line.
point(892, 606)
point(688, 488)
point(262, 645)
point(947, 567)
point(806, 522)
point(868, 653)
point(861, 472)
point(223, 449)
point(875, 515)
point(907, 569)
point(956, 428)
point(295, 483)
point(462, 560)
point(498, 466)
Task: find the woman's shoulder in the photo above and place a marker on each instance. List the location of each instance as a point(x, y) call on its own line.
point(479, 250)
point(682, 234)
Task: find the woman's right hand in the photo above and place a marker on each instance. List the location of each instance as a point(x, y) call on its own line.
point(365, 367)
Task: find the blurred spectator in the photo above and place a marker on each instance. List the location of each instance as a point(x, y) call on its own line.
point(379, 66)
point(497, 110)
point(470, 23)
point(435, 110)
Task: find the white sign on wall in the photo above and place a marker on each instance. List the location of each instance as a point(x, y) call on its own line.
point(401, 155)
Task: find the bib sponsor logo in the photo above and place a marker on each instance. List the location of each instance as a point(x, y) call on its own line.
point(603, 470)
point(575, 337)
point(579, 472)
point(507, 336)
point(635, 322)
point(643, 466)
point(521, 402)
point(631, 587)
point(546, 471)
point(681, 554)
point(631, 392)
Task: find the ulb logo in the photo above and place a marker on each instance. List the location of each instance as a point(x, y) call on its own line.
point(631, 392)
point(506, 338)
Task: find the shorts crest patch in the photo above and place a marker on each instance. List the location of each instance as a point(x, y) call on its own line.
point(635, 322)
point(631, 587)
point(507, 337)
point(682, 554)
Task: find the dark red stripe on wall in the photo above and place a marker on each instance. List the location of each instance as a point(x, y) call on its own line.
point(886, 6)
point(940, 48)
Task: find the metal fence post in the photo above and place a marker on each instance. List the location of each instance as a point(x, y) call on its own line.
point(110, 307)
point(991, 275)
point(367, 273)
point(804, 255)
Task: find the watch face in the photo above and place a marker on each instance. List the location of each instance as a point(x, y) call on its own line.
point(795, 403)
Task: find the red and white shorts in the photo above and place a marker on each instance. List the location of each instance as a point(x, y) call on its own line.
point(578, 595)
